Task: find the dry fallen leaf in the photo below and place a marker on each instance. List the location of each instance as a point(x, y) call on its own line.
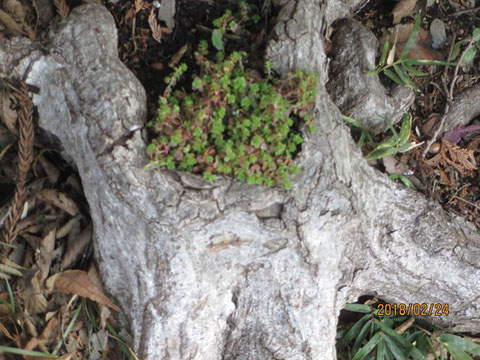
point(393, 166)
point(50, 169)
point(60, 200)
point(78, 282)
point(11, 25)
point(76, 245)
point(406, 8)
point(35, 302)
point(422, 48)
point(8, 115)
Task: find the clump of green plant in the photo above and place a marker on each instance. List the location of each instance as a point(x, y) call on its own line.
point(234, 121)
point(398, 337)
point(397, 143)
point(228, 22)
point(403, 66)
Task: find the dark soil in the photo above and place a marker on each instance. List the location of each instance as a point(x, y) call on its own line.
point(149, 60)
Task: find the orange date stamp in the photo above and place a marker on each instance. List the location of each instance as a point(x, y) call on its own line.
point(413, 309)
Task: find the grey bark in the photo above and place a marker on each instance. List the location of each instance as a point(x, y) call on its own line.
point(226, 270)
point(357, 94)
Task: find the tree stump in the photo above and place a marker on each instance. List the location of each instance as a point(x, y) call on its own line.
point(227, 270)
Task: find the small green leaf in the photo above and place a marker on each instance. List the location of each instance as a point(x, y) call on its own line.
point(476, 34)
point(461, 343)
point(469, 55)
point(361, 308)
point(391, 75)
point(412, 38)
point(405, 130)
point(217, 41)
point(457, 353)
point(456, 49)
point(379, 153)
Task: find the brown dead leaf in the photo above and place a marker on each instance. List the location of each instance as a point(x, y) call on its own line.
point(15, 8)
point(76, 245)
point(48, 335)
point(422, 49)
point(78, 282)
point(406, 8)
point(50, 169)
point(34, 300)
point(45, 255)
point(8, 115)
point(10, 24)
point(60, 200)
point(393, 166)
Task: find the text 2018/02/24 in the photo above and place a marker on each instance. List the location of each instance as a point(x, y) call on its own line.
point(413, 309)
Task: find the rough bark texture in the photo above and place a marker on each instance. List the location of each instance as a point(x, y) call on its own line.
point(356, 93)
point(225, 270)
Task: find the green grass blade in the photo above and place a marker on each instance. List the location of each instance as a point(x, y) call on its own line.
point(354, 123)
point(376, 154)
point(381, 349)
point(369, 346)
point(404, 77)
point(354, 331)
point(429, 62)
point(70, 326)
point(362, 336)
point(414, 71)
point(391, 75)
point(412, 38)
point(395, 348)
point(383, 56)
point(391, 333)
point(10, 350)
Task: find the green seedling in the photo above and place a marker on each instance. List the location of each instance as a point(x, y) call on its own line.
point(365, 136)
point(398, 143)
point(400, 70)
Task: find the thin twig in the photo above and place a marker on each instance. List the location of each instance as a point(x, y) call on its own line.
point(467, 11)
point(467, 202)
point(449, 92)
